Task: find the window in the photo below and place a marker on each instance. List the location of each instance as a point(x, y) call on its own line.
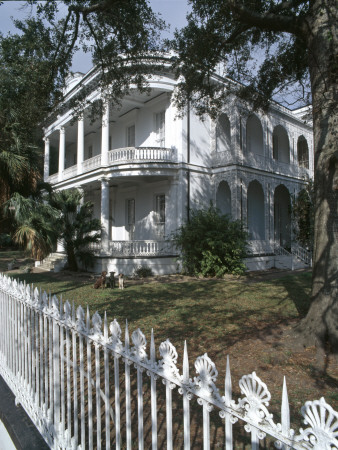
point(160, 215)
point(131, 136)
point(160, 128)
point(90, 151)
point(131, 218)
point(109, 143)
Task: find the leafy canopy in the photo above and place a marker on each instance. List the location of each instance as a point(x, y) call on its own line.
point(211, 244)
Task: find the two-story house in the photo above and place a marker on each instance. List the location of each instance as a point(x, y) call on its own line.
point(144, 168)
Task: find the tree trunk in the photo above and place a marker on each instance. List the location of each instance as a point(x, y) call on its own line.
point(72, 263)
point(320, 326)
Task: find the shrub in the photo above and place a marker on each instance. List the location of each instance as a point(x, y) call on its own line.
point(5, 240)
point(143, 272)
point(211, 244)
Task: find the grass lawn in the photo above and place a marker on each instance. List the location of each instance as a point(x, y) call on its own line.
point(249, 318)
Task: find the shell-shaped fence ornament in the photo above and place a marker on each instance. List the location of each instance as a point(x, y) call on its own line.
point(36, 297)
point(322, 433)
point(169, 359)
point(256, 399)
point(140, 344)
point(28, 293)
point(97, 325)
point(116, 332)
point(207, 376)
point(80, 319)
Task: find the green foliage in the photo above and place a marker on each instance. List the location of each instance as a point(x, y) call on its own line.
point(76, 226)
point(5, 240)
point(143, 272)
point(211, 244)
point(303, 216)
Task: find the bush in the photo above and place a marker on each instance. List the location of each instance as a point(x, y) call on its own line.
point(211, 244)
point(5, 240)
point(143, 272)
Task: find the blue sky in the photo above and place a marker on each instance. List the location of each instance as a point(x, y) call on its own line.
point(172, 11)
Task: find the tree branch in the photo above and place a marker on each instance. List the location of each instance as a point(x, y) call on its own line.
point(268, 21)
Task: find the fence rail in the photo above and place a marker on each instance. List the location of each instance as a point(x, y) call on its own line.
point(64, 368)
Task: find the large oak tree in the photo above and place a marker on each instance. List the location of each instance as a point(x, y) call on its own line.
point(272, 47)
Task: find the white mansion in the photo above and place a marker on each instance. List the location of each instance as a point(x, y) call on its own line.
point(144, 169)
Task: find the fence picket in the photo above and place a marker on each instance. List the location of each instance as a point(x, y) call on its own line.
point(42, 358)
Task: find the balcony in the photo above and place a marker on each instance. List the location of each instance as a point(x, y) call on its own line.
point(142, 248)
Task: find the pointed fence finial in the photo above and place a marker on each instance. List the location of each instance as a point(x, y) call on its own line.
point(126, 337)
point(228, 384)
point(185, 364)
point(285, 410)
point(105, 327)
point(88, 319)
point(152, 348)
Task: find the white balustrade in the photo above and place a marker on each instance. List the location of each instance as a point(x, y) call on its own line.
point(135, 154)
point(91, 163)
point(141, 248)
point(38, 334)
point(70, 172)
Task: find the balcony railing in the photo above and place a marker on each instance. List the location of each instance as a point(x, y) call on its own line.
point(135, 154)
point(70, 172)
point(91, 163)
point(139, 248)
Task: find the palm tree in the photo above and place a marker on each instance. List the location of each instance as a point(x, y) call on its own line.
point(76, 225)
point(34, 219)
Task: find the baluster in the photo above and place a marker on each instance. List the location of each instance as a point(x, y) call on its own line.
point(206, 426)
point(106, 382)
point(46, 360)
point(37, 360)
point(228, 398)
point(68, 385)
point(117, 401)
point(98, 397)
point(186, 399)
point(75, 370)
point(128, 397)
point(140, 408)
point(41, 359)
point(168, 395)
point(62, 380)
point(89, 378)
point(56, 375)
point(153, 393)
point(82, 389)
point(51, 398)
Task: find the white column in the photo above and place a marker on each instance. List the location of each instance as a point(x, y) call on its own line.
point(104, 214)
point(172, 206)
point(80, 144)
point(46, 162)
point(62, 147)
point(105, 134)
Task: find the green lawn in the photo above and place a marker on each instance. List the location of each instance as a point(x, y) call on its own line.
point(242, 317)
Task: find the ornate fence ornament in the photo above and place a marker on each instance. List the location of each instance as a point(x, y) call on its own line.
point(58, 362)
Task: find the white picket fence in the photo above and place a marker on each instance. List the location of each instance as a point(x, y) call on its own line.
point(65, 370)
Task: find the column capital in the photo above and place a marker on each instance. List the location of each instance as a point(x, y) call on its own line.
point(104, 179)
point(62, 130)
point(46, 139)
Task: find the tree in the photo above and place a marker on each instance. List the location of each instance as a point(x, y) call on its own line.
point(297, 42)
point(211, 244)
point(303, 216)
point(77, 229)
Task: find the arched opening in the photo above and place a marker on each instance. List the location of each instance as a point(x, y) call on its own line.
point(254, 135)
point(256, 211)
point(282, 216)
point(303, 152)
point(223, 134)
point(280, 144)
point(223, 198)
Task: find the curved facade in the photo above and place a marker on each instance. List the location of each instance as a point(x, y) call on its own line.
point(144, 167)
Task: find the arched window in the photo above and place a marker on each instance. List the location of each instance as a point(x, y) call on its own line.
point(254, 135)
point(223, 198)
point(282, 216)
point(303, 152)
point(280, 143)
point(223, 134)
point(256, 211)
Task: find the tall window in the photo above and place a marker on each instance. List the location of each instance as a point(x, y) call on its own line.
point(90, 151)
point(160, 215)
point(160, 128)
point(131, 136)
point(131, 218)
